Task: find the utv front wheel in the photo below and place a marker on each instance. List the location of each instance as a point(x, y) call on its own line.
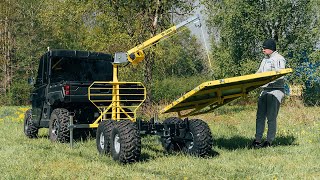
point(125, 142)
point(59, 125)
point(30, 130)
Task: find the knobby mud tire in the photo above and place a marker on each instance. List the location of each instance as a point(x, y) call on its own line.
point(104, 131)
point(59, 126)
point(168, 144)
point(201, 136)
point(30, 130)
point(125, 142)
point(173, 120)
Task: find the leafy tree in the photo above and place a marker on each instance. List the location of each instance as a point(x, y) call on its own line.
point(144, 19)
point(8, 17)
point(181, 55)
point(242, 26)
point(98, 25)
point(24, 30)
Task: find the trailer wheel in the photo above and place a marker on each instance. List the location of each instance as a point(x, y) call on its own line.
point(125, 142)
point(103, 136)
point(59, 125)
point(173, 120)
point(168, 144)
point(198, 139)
point(30, 130)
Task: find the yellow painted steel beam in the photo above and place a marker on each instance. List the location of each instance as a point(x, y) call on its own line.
point(113, 104)
point(221, 91)
point(202, 101)
point(136, 54)
point(197, 108)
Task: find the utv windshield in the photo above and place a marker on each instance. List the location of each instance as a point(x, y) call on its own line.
point(72, 69)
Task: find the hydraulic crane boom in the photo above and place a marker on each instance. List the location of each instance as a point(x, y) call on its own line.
point(136, 54)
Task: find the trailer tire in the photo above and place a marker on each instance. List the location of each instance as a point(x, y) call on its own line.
point(171, 146)
point(201, 138)
point(103, 136)
point(168, 144)
point(125, 142)
point(173, 120)
point(30, 130)
point(59, 126)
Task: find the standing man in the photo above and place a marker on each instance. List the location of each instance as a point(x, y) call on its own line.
point(271, 95)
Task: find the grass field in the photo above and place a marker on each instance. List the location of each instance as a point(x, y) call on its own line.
point(295, 155)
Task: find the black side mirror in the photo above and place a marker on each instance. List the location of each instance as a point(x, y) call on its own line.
point(31, 80)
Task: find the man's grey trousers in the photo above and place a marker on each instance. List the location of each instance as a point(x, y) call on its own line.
point(268, 107)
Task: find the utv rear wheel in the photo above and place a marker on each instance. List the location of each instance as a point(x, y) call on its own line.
point(125, 142)
point(59, 125)
point(198, 140)
point(30, 130)
point(103, 136)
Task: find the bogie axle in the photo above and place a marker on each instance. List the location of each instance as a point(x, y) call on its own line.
point(122, 139)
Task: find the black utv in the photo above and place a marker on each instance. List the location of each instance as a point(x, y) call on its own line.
point(61, 87)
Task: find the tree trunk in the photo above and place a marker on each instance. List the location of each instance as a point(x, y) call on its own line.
point(6, 49)
point(148, 68)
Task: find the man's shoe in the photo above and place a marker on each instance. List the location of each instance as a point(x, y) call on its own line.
point(266, 144)
point(255, 144)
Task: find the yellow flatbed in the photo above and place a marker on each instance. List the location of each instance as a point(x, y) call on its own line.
point(212, 94)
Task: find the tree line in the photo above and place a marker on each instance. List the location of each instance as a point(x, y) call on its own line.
point(243, 26)
point(238, 28)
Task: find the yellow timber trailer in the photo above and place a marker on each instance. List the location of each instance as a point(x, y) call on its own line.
point(119, 130)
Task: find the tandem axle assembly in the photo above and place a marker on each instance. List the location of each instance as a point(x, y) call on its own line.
point(114, 137)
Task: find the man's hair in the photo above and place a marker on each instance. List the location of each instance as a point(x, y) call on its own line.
point(270, 44)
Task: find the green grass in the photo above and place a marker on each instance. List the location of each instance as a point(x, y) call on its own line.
point(295, 156)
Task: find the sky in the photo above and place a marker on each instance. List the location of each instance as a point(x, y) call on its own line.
point(204, 39)
point(200, 32)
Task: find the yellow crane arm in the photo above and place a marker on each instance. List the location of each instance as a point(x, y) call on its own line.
point(136, 54)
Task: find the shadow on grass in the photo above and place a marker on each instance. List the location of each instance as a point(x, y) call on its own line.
point(232, 109)
point(284, 141)
point(43, 136)
point(78, 135)
point(239, 142)
point(145, 157)
point(155, 153)
point(233, 143)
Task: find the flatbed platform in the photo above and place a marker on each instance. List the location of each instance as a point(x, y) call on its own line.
point(212, 94)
